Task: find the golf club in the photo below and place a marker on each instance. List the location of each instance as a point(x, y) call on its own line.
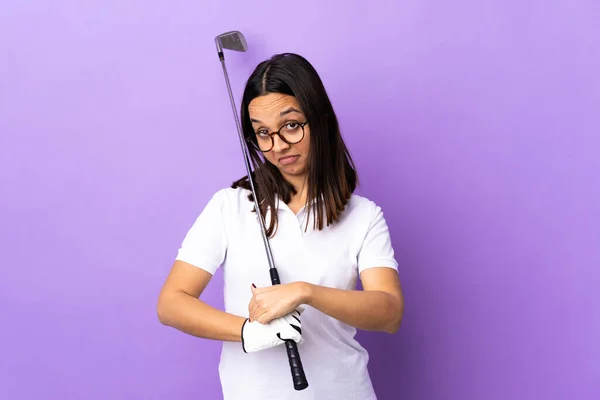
point(234, 40)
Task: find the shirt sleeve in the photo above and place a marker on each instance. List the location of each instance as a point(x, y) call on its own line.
point(377, 249)
point(205, 243)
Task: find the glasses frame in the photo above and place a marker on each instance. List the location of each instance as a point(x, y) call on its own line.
point(272, 134)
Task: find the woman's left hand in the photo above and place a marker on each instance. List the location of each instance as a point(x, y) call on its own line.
point(275, 301)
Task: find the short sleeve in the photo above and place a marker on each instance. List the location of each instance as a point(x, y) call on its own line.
point(377, 249)
point(205, 244)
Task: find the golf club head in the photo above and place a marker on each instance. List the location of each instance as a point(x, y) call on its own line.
point(233, 40)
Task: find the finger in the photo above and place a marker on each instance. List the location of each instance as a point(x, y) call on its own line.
point(291, 319)
point(256, 311)
point(251, 306)
point(292, 333)
point(295, 320)
point(264, 317)
point(253, 309)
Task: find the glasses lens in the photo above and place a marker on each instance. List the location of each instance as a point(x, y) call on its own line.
point(292, 132)
point(262, 142)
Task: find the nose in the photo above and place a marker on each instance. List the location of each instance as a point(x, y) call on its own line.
point(278, 144)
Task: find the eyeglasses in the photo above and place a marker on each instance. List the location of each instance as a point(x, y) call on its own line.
point(290, 133)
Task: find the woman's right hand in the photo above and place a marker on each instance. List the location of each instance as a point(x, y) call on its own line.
point(257, 336)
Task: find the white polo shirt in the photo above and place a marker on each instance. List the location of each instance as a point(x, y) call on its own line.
point(227, 234)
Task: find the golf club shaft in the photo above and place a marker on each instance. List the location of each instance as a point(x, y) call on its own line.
point(248, 169)
point(297, 370)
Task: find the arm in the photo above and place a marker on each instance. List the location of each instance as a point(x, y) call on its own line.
point(179, 306)
point(379, 307)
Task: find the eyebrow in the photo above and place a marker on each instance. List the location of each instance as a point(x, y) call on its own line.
point(281, 114)
point(289, 110)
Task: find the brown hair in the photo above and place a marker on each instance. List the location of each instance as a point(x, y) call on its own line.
point(332, 176)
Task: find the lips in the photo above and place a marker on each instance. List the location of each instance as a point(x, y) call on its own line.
point(288, 159)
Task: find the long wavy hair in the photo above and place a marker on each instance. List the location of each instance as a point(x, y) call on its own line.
point(332, 176)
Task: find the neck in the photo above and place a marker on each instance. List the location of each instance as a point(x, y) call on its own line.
point(300, 183)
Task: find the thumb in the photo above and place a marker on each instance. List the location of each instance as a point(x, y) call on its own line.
point(253, 288)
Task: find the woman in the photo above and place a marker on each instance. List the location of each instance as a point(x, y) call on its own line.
point(323, 238)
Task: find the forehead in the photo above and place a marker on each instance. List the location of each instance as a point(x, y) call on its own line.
point(269, 106)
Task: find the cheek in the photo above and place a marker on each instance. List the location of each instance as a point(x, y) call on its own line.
point(269, 157)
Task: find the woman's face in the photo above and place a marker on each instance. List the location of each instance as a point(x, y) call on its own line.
point(270, 113)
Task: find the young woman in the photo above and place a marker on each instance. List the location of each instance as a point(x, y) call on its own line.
point(323, 237)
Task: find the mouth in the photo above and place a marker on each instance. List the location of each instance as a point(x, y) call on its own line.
point(288, 160)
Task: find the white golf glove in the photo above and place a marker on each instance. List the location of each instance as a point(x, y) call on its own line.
point(257, 336)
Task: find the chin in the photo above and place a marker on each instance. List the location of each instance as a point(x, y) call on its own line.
point(292, 169)
point(289, 173)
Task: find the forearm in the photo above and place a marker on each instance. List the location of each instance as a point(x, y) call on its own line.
point(193, 316)
point(366, 310)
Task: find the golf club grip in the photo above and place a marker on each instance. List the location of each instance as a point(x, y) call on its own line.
point(298, 376)
point(296, 367)
point(274, 276)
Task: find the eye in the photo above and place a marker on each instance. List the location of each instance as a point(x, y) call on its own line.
point(262, 133)
point(292, 125)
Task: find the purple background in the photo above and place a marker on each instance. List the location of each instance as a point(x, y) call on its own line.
point(474, 124)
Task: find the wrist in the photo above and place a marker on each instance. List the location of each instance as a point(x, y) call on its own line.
point(306, 293)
